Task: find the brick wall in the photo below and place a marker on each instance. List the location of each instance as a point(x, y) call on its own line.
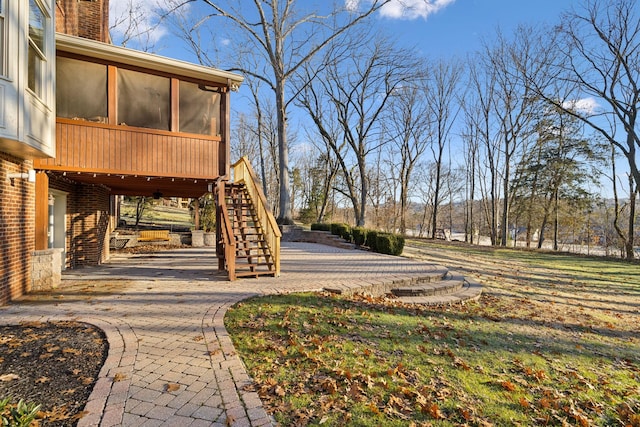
point(17, 228)
point(84, 18)
point(67, 17)
point(87, 222)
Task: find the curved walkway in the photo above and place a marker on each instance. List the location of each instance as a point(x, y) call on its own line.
point(171, 361)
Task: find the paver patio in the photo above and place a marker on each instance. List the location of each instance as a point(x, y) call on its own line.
point(171, 361)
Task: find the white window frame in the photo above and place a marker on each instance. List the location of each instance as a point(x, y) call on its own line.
point(3, 47)
point(39, 89)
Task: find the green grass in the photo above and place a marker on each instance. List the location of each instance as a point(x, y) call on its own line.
point(158, 215)
point(553, 341)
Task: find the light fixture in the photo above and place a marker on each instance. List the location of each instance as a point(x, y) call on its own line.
point(30, 175)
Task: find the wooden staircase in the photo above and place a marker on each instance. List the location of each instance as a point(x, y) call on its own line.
point(248, 236)
point(253, 255)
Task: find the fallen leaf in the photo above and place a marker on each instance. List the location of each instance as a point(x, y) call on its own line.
point(8, 377)
point(119, 377)
point(508, 385)
point(279, 391)
point(172, 387)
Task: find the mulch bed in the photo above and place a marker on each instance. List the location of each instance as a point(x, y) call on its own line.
point(54, 365)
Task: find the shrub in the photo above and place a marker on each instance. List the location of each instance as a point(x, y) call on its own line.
point(321, 226)
point(371, 240)
point(333, 227)
point(359, 235)
point(390, 244)
point(344, 231)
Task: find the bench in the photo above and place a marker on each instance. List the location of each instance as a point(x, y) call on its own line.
point(153, 235)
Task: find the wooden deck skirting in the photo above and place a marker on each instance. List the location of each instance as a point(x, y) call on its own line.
point(103, 148)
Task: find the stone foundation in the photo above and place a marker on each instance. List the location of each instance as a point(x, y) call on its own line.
point(46, 272)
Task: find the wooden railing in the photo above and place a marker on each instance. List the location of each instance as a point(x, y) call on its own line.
point(226, 237)
point(83, 146)
point(243, 173)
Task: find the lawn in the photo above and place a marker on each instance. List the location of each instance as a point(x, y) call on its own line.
point(553, 341)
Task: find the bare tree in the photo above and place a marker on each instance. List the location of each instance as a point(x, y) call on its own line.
point(597, 57)
point(470, 138)
point(480, 106)
point(443, 107)
point(513, 108)
point(286, 39)
point(141, 23)
point(353, 91)
point(407, 125)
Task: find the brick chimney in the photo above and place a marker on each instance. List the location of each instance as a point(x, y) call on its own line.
point(83, 18)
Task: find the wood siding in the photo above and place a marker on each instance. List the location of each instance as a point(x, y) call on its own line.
point(102, 148)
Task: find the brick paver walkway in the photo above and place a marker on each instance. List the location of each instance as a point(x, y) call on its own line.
point(171, 361)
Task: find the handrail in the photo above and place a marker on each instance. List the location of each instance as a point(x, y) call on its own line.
point(244, 173)
point(226, 232)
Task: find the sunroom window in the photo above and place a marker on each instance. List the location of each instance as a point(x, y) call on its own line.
point(144, 100)
point(36, 54)
point(199, 109)
point(81, 90)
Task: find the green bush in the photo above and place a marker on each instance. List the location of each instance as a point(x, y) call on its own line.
point(344, 231)
point(321, 226)
point(333, 228)
point(17, 415)
point(371, 240)
point(359, 235)
point(390, 244)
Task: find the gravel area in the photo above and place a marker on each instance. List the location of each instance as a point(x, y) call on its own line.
point(54, 365)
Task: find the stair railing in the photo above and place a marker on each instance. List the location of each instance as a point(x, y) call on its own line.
point(244, 173)
point(227, 239)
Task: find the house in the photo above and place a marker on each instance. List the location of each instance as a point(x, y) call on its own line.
point(120, 122)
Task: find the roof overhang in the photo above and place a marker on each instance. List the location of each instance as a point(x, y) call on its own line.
point(135, 58)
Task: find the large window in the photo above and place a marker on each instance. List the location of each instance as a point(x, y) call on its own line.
point(144, 100)
point(36, 55)
point(81, 90)
point(199, 109)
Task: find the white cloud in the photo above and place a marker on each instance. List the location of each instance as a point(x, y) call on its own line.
point(413, 9)
point(129, 18)
point(405, 9)
point(584, 105)
point(352, 5)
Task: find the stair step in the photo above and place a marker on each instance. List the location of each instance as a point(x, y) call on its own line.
point(253, 257)
point(470, 291)
point(255, 274)
point(449, 284)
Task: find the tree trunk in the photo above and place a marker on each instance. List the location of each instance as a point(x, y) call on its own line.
point(633, 190)
point(285, 215)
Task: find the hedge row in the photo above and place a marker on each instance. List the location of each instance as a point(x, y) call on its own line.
point(377, 241)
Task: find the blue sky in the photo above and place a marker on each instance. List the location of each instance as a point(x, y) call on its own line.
point(435, 27)
point(458, 28)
